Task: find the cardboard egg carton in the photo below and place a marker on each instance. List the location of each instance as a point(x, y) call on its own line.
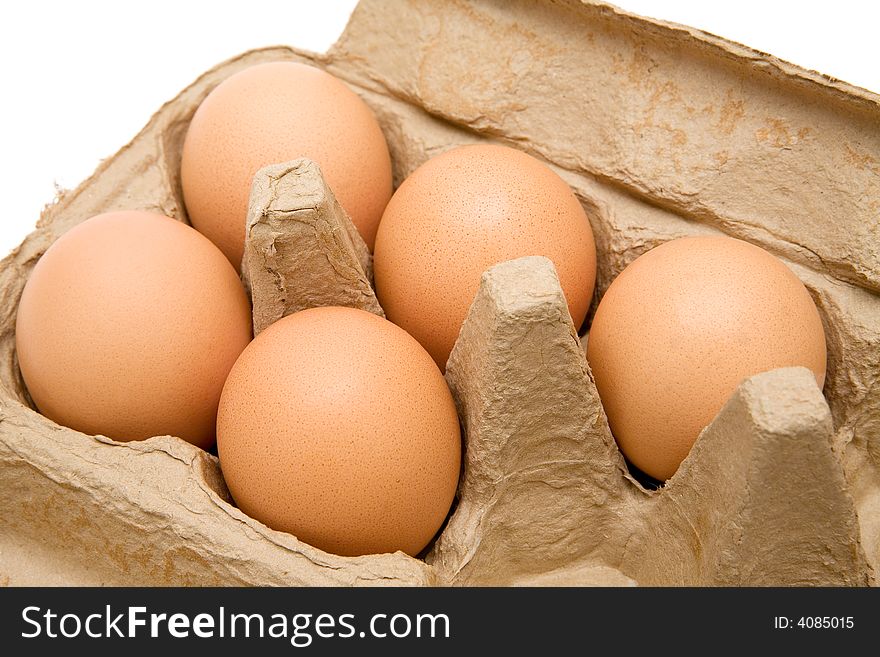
point(662, 131)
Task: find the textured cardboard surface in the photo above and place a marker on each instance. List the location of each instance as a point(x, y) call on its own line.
point(145, 513)
point(662, 131)
point(543, 484)
point(301, 248)
point(761, 500)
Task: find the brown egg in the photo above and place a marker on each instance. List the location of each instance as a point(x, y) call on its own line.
point(462, 212)
point(681, 328)
point(128, 326)
point(337, 427)
point(274, 113)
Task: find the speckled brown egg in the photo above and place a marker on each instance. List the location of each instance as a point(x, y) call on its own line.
point(128, 326)
point(273, 113)
point(337, 427)
point(681, 328)
point(462, 212)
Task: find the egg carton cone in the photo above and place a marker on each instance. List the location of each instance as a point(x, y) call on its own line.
point(662, 131)
point(301, 248)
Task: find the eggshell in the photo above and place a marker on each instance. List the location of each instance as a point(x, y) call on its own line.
point(337, 427)
point(681, 328)
point(274, 113)
point(128, 326)
point(462, 212)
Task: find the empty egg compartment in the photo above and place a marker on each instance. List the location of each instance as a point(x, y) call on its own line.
point(659, 129)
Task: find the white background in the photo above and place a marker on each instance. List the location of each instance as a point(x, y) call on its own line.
point(80, 79)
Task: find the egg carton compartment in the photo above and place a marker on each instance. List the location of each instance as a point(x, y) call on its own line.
point(662, 131)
